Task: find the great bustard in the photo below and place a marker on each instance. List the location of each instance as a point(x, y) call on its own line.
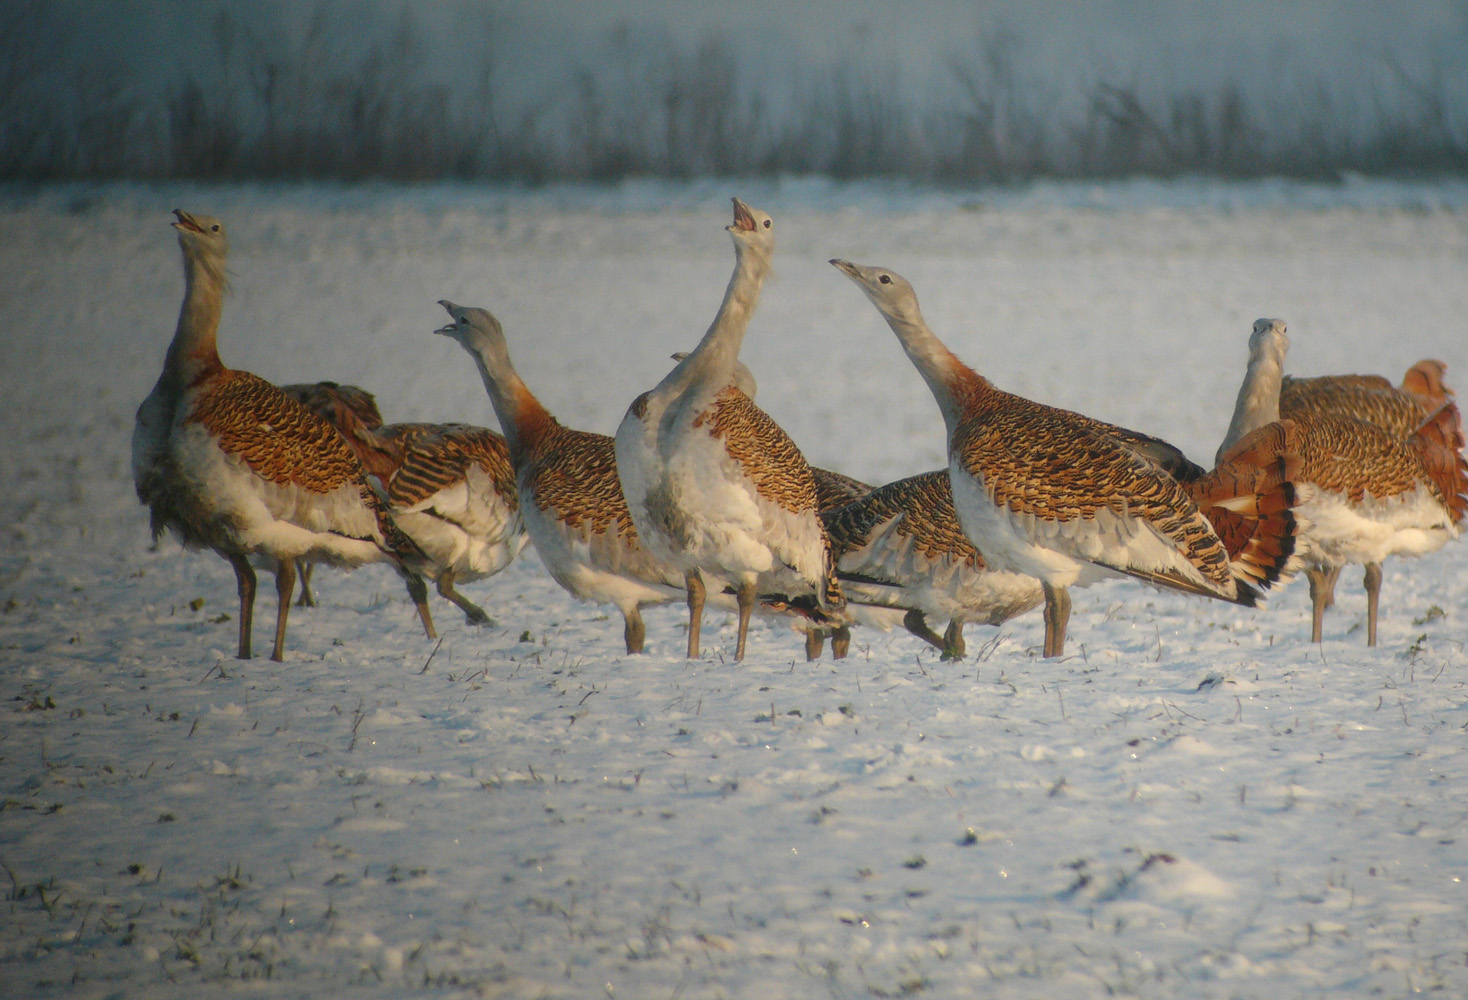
point(901, 547)
point(570, 496)
point(1379, 491)
point(833, 489)
point(450, 488)
point(1055, 495)
point(714, 485)
point(226, 461)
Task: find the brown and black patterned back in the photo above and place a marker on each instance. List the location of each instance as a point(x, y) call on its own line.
point(287, 444)
point(833, 489)
point(435, 457)
point(574, 473)
point(763, 449)
point(1355, 457)
point(927, 517)
point(1363, 397)
point(1053, 465)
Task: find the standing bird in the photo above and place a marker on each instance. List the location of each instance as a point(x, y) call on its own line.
point(228, 462)
point(1055, 495)
point(450, 488)
point(713, 484)
point(570, 496)
point(336, 404)
point(901, 546)
point(1400, 410)
point(833, 489)
point(1378, 492)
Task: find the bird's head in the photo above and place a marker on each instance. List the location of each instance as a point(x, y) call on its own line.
point(479, 333)
point(1269, 335)
point(202, 238)
point(752, 230)
point(888, 290)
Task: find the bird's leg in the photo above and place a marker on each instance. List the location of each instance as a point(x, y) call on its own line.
point(1372, 580)
point(815, 641)
point(694, 582)
point(1322, 596)
point(953, 646)
point(841, 642)
point(472, 611)
point(1057, 613)
point(285, 585)
point(418, 593)
point(634, 631)
point(244, 576)
point(917, 623)
point(745, 596)
point(303, 570)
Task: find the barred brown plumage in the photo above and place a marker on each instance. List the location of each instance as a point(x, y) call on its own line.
point(1385, 474)
point(570, 495)
point(901, 546)
point(835, 489)
point(450, 487)
point(224, 460)
point(922, 507)
point(1056, 495)
point(713, 484)
point(573, 474)
point(1363, 397)
point(771, 461)
point(279, 439)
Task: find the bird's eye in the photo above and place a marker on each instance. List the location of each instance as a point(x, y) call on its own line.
point(885, 279)
point(768, 223)
point(214, 228)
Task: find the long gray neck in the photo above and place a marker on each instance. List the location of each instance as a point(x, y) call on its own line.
point(193, 352)
point(1258, 400)
point(711, 363)
point(954, 385)
point(522, 418)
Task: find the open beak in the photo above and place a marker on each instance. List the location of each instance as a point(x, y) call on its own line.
point(743, 218)
point(448, 331)
point(186, 222)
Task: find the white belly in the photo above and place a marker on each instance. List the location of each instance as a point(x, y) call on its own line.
point(1341, 533)
point(1014, 543)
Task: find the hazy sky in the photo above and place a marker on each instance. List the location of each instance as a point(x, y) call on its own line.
point(1136, 42)
point(594, 78)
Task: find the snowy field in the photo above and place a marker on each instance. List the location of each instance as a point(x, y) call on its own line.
point(1195, 802)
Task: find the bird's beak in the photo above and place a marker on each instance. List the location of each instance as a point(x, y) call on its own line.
point(449, 307)
point(743, 217)
point(186, 223)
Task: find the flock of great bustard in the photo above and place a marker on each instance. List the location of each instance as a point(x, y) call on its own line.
point(701, 497)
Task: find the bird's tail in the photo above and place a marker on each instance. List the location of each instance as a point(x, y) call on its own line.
point(1425, 381)
point(1436, 445)
point(1250, 498)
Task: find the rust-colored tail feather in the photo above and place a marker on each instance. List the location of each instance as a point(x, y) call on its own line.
point(1425, 381)
point(1436, 446)
point(1250, 499)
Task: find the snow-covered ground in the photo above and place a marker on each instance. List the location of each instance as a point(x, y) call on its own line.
point(1196, 801)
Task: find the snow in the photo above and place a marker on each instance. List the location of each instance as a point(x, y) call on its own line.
point(1196, 801)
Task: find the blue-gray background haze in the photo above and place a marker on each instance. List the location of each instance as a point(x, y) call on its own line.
point(538, 90)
